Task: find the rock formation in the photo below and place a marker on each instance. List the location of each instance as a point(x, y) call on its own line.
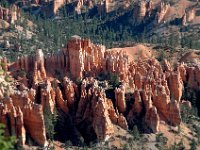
point(162, 11)
point(188, 16)
point(84, 56)
point(140, 12)
point(13, 117)
point(159, 13)
point(67, 81)
point(120, 99)
point(102, 124)
point(142, 9)
point(189, 74)
point(81, 4)
point(175, 85)
point(57, 4)
point(112, 5)
point(153, 119)
point(69, 91)
point(11, 14)
point(23, 116)
point(60, 101)
point(39, 70)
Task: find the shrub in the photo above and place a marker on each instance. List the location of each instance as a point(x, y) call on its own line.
point(114, 80)
point(50, 121)
point(186, 112)
point(6, 142)
point(135, 133)
point(161, 141)
point(193, 145)
point(177, 146)
point(8, 78)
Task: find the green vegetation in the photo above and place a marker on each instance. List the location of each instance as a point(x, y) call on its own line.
point(187, 112)
point(6, 143)
point(4, 3)
point(177, 146)
point(111, 77)
point(50, 121)
point(114, 80)
point(163, 55)
point(193, 145)
point(135, 133)
point(190, 118)
point(161, 141)
point(8, 78)
point(196, 129)
point(134, 140)
point(192, 95)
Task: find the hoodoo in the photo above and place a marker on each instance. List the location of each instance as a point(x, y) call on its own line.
point(156, 90)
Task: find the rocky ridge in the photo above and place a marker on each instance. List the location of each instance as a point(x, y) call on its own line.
point(156, 12)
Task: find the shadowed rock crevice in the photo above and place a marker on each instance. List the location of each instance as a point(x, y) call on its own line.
point(38, 95)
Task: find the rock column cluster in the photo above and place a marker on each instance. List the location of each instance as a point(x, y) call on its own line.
point(42, 82)
point(10, 14)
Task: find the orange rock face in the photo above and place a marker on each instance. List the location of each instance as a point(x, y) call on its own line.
point(191, 15)
point(13, 117)
point(57, 4)
point(111, 5)
point(153, 119)
point(148, 90)
point(122, 122)
point(84, 56)
point(162, 12)
point(175, 85)
point(155, 92)
point(120, 99)
point(142, 9)
point(60, 101)
point(39, 70)
point(69, 91)
point(10, 14)
point(158, 13)
point(102, 124)
point(23, 117)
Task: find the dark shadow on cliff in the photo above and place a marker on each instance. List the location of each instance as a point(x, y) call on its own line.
point(87, 131)
point(65, 129)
